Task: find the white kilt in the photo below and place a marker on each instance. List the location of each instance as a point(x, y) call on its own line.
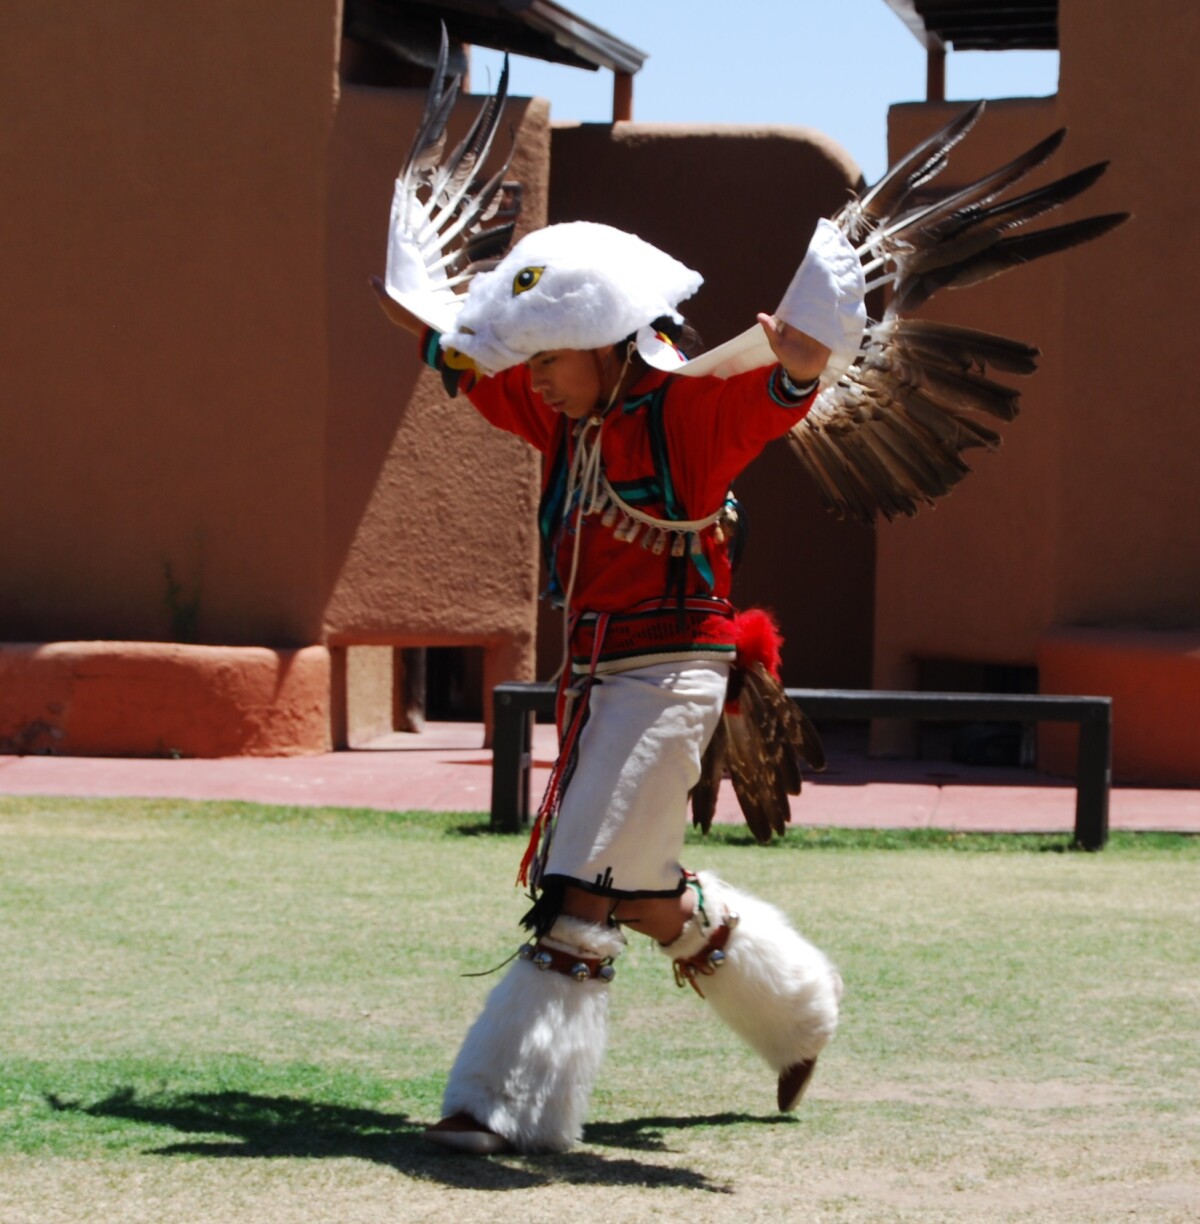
point(623, 817)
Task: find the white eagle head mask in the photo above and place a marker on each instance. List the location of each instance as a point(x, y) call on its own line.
point(579, 285)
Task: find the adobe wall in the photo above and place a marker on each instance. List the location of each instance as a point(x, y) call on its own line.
point(211, 432)
point(1088, 522)
point(162, 699)
point(739, 204)
point(431, 511)
point(975, 577)
point(1131, 92)
point(164, 340)
point(1153, 678)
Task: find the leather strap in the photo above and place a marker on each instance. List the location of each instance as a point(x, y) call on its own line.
point(688, 968)
point(567, 963)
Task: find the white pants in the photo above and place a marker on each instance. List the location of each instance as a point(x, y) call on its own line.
point(624, 813)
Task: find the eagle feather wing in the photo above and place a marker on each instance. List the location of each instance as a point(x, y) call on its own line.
point(888, 437)
point(439, 238)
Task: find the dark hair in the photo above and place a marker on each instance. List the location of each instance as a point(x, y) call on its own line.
point(683, 335)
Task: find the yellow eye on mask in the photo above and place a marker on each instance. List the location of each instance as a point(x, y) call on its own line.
point(526, 279)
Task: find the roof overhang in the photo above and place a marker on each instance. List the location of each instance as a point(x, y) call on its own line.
point(981, 25)
point(540, 29)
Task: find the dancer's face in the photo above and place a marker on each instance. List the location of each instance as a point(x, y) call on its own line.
point(573, 381)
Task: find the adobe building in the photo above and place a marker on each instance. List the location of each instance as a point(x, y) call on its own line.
point(1072, 557)
point(234, 503)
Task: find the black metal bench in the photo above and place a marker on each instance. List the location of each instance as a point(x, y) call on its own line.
point(515, 706)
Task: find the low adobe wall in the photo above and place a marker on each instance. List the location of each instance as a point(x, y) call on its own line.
point(1153, 678)
point(163, 699)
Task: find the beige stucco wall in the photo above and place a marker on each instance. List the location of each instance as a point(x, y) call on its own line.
point(739, 205)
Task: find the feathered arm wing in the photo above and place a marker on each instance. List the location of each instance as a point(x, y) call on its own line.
point(438, 236)
point(826, 300)
point(889, 435)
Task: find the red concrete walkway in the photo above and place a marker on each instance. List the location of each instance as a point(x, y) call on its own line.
point(447, 769)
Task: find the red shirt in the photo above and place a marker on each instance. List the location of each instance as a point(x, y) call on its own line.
point(672, 448)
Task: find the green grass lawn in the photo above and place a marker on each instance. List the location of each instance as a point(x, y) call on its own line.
point(235, 1013)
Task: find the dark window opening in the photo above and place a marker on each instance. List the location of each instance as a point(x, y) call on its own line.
point(454, 683)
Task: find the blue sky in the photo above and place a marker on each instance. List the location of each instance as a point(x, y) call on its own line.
point(835, 65)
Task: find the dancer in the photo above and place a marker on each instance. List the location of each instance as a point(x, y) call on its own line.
point(574, 328)
point(571, 341)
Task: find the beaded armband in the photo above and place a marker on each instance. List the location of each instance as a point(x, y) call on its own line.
point(785, 392)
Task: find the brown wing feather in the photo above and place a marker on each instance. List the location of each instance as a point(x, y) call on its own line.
point(712, 770)
point(754, 781)
point(770, 743)
point(888, 437)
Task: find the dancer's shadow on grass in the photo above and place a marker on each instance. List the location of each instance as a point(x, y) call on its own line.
point(245, 1125)
point(649, 1134)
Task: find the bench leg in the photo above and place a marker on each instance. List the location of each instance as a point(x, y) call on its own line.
point(1092, 784)
point(512, 739)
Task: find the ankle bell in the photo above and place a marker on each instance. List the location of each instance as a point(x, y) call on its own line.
point(580, 968)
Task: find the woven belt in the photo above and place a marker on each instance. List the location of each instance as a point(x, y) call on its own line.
point(651, 628)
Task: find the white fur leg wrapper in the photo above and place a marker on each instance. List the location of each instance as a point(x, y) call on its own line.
point(772, 987)
point(529, 1061)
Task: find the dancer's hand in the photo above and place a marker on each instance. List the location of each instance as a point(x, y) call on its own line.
point(800, 355)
